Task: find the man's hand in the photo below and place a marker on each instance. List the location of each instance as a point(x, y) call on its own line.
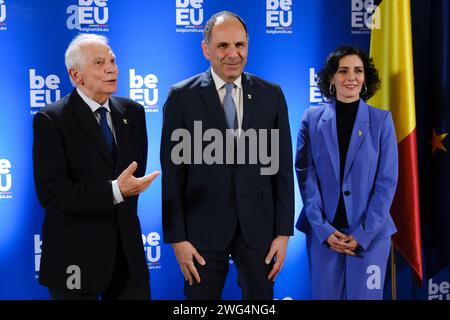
point(184, 252)
point(342, 243)
point(130, 185)
point(278, 249)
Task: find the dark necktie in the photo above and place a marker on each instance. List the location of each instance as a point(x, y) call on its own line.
point(107, 133)
point(229, 106)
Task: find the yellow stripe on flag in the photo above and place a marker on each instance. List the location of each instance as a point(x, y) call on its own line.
point(391, 50)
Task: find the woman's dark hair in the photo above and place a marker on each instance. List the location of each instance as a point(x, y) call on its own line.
point(332, 64)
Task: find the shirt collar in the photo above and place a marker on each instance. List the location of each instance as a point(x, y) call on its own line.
point(94, 105)
point(219, 83)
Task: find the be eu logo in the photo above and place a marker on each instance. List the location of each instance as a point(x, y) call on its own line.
point(315, 96)
point(88, 16)
point(438, 291)
point(144, 90)
point(152, 247)
point(37, 254)
point(189, 15)
point(365, 16)
point(43, 90)
point(5, 179)
point(2, 15)
point(279, 16)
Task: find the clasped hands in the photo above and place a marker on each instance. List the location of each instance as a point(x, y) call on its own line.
point(342, 243)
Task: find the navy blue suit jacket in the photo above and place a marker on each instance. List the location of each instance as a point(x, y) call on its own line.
point(204, 203)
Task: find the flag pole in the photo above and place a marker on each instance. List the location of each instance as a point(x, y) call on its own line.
point(393, 274)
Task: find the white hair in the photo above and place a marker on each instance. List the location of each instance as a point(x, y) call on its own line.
point(73, 57)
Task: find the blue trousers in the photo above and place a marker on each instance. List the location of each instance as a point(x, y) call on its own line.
point(337, 276)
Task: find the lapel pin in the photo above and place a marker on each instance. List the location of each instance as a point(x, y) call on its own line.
point(249, 96)
point(359, 133)
point(125, 121)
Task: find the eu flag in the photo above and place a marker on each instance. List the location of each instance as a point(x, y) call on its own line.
point(438, 213)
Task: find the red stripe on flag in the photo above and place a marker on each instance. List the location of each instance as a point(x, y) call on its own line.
point(405, 207)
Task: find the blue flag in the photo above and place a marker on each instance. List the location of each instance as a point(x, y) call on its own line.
point(436, 185)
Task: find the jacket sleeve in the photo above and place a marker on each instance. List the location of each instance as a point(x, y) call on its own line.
point(384, 187)
point(283, 179)
point(173, 175)
point(143, 152)
point(56, 189)
point(309, 183)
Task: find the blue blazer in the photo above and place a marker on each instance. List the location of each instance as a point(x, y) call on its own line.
point(370, 174)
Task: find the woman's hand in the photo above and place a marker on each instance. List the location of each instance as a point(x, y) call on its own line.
point(342, 243)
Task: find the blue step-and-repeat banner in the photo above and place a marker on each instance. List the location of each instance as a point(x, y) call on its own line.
point(157, 43)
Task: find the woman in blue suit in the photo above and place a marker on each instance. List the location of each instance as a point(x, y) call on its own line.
point(346, 165)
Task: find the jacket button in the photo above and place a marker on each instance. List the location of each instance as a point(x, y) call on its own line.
point(346, 193)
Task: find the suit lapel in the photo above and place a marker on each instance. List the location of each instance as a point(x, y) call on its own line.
point(89, 125)
point(359, 132)
point(212, 101)
point(122, 129)
point(248, 99)
point(329, 134)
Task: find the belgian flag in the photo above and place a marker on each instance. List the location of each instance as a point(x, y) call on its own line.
point(391, 50)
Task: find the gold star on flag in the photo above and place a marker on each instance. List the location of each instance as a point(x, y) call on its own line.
point(436, 141)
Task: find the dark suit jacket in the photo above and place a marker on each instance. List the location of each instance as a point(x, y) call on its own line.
point(204, 203)
point(73, 170)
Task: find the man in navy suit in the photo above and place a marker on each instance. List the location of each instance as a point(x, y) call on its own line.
point(212, 210)
point(86, 148)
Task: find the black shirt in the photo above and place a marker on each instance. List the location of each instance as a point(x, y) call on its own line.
point(345, 119)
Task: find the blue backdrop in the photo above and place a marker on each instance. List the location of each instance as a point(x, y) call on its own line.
point(157, 43)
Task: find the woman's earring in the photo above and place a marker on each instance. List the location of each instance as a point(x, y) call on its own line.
point(331, 89)
point(365, 91)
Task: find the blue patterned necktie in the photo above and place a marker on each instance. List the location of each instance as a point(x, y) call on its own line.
point(107, 133)
point(229, 106)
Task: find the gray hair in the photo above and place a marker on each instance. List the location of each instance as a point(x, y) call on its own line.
point(212, 22)
point(73, 56)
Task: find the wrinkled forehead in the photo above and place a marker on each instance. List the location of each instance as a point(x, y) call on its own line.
point(92, 50)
